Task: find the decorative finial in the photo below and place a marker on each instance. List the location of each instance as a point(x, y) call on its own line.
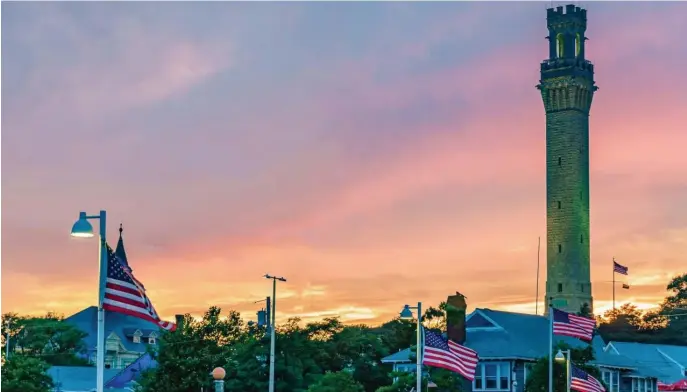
point(120, 230)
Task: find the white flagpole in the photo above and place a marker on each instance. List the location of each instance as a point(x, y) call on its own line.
point(100, 348)
point(550, 346)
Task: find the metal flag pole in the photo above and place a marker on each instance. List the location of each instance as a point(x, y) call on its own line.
point(613, 283)
point(536, 300)
point(550, 345)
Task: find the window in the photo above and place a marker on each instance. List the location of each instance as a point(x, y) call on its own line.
point(559, 205)
point(581, 239)
point(559, 45)
point(492, 376)
point(560, 248)
point(559, 161)
point(581, 287)
point(578, 44)
point(151, 340)
point(137, 339)
point(611, 378)
point(560, 287)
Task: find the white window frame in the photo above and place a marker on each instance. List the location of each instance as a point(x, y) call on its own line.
point(613, 379)
point(642, 385)
point(151, 340)
point(137, 339)
point(480, 372)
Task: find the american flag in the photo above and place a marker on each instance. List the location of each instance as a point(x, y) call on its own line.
point(620, 269)
point(568, 324)
point(125, 294)
point(582, 381)
point(444, 353)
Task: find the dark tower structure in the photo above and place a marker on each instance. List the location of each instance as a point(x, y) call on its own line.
point(567, 87)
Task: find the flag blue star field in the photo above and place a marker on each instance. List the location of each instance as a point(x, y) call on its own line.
point(620, 269)
point(446, 354)
point(125, 294)
point(582, 381)
point(568, 324)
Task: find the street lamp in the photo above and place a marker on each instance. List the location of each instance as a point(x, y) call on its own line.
point(272, 333)
point(406, 314)
point(83, 229)
point(564, 355)
point(218, 375)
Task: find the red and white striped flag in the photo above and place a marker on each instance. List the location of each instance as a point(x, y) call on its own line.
point(447, 354)
point(125, 294)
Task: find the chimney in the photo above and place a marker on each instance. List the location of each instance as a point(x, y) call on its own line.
point(179, 321)
point(455, 317)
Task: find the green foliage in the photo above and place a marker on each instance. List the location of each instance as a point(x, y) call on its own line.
point(47, 337)
point(668, 325)
point(538, 375)
point(337, 382)
point(186, 357)
point(22, 373)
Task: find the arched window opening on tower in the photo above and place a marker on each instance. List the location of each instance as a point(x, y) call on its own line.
point(559, 45)
point(559, 161)
point(559, 205)
point(560, 248)
point(560, 287)
point(578, 44)
point(581, 239)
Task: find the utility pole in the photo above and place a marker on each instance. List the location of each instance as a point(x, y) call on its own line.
point(272, 326)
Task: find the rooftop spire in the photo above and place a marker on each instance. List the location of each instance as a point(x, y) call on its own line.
point(120, 252)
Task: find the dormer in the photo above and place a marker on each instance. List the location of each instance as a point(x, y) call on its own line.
point(137, 336)
point(114, 343)
point(152, 338)
point(479, 321)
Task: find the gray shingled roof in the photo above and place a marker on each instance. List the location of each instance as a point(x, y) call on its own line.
point(77, 378)
point(520, 336)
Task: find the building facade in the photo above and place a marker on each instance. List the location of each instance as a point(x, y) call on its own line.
point(509, 344)
point(567, 87)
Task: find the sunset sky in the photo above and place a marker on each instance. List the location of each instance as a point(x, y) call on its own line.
point(374, 154)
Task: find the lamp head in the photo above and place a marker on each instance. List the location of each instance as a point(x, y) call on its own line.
point(82, 228)
point(406, 313)
point(218, 373)
point(559, 356)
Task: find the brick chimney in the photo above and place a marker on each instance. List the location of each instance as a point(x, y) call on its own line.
point(455, 317)
point(179, 321)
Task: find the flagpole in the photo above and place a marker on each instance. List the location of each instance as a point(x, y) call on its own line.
point(536, 300)
point(419, 347)
point(614, 283)
point(100, 347)
point(550, 345)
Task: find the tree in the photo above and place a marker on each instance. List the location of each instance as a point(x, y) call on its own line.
point(538, 376)
point(674, 309)
point(21, 373)
point(337, 382)
point(48, 337)
point(185, 357)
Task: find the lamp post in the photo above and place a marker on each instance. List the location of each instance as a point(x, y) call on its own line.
point(218, 375)
point(564, 355)
point(407, 313)
point(272, 326)
point(83, 229)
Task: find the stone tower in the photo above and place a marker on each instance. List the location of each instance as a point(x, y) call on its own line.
point(567, 87)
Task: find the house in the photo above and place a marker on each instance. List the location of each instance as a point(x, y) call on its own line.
point(127, 337)
point(508, 344)
point(667, 363)
point(83, 378)
point(127, 341)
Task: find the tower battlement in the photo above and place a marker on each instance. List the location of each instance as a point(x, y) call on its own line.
point(569, 13)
